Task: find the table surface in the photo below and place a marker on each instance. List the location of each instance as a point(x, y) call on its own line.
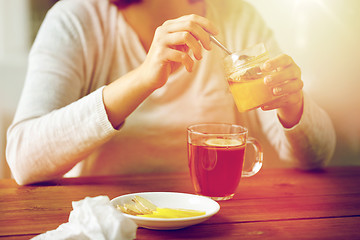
point(274, 204)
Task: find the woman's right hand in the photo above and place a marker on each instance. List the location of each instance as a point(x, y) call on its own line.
point(168, 51)
point(171, 47)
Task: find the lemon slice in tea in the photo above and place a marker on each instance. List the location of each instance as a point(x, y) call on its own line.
point(223, 142)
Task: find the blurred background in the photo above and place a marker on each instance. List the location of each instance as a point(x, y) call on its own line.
point(322, 36)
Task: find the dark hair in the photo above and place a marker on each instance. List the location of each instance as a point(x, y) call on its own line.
point(124, 3)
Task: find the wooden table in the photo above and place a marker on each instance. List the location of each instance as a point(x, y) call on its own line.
point(275, 204)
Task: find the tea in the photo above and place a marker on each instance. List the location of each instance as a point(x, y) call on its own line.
point(216, 170)
point(216, 157)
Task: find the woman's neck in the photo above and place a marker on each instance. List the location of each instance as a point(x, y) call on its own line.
point(146, 16)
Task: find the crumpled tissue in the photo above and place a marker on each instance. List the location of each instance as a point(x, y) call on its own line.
point(93, 218)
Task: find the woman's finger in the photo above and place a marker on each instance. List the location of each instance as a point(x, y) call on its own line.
point(173, 55)
point(203, 22)
point(195, 30)
point(289, 87)
point(284, 101)
point(198, 26)
point(278, 77)
point(280, 62)
point(184, 38)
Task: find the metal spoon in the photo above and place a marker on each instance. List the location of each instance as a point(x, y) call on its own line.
point(234, 56)
point(214, 40)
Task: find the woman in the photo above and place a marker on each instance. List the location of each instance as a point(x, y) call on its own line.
point(112, 86)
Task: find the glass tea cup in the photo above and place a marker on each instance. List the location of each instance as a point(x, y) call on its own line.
point(246, 78)
point(216, 154)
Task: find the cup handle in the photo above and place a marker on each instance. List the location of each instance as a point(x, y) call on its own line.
point(259, 158)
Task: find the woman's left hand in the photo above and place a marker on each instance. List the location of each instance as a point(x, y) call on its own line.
point(285, 81)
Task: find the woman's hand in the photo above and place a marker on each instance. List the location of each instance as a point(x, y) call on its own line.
point(171, 47)
point(168, 51)
point(285, 81)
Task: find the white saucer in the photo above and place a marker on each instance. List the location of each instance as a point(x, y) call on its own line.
point(171, 200)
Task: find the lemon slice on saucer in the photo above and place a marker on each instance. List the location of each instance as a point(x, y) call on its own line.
point(173, 213)
point(222, 142)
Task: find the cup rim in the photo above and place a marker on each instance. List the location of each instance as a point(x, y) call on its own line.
point(242, 129)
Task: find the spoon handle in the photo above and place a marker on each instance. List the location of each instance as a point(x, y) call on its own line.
point(214, 40)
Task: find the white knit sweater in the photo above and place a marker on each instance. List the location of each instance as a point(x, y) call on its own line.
point(61, 123)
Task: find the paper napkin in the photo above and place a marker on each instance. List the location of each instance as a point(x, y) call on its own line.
point(93, 218)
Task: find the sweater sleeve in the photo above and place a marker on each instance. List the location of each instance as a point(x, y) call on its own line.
point(57, 122)
point(309, 144)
